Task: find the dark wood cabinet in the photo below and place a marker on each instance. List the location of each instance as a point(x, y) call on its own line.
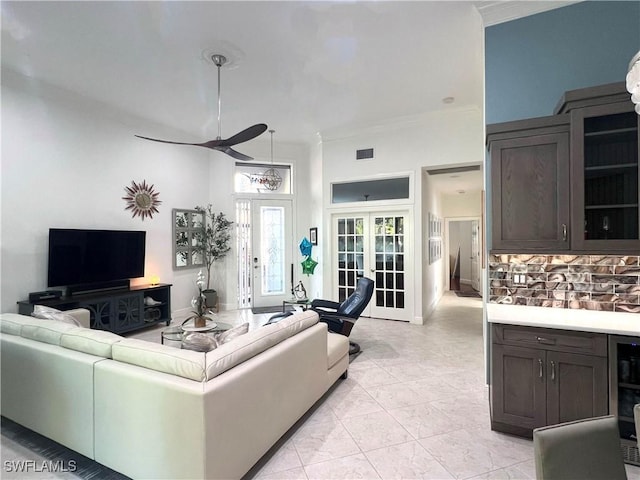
point(518, 389)
point(530, 185)
point(118, 311)
point(605, 172)
point(542, 377)
point(570, 181)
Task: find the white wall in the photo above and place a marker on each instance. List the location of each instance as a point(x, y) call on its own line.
point(315, 282)
point(467, 204)
point(433, 274)
point(65, 163)
point(404, 147)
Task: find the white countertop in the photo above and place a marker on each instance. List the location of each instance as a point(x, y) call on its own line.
point(618, 323)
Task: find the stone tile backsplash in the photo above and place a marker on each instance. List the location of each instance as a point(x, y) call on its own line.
point(591, 282)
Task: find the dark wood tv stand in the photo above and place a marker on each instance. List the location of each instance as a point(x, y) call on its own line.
point(118, 311)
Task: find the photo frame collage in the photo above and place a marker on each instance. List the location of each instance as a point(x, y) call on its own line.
point(435, 238)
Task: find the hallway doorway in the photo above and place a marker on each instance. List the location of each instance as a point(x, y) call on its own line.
point(463, 247)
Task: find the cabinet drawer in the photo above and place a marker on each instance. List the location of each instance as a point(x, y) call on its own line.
point(551, 339)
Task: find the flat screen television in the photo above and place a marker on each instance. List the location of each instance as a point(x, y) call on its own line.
point(85, 257)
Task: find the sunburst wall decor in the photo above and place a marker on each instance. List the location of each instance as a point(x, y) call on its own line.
point(141, 200)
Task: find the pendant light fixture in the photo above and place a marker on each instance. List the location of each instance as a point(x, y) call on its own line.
point(271, 179)
point(633, 81)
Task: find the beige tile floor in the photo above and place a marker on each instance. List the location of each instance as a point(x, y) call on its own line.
point(415, 406)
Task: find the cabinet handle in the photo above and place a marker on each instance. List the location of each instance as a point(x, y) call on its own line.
point(548, 341)
point(553, 371)
point(564, 232)
point(541, 373)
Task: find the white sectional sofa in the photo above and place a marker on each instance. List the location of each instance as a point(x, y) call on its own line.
point(151, 411)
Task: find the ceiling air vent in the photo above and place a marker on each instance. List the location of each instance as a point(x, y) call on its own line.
point(364, 154)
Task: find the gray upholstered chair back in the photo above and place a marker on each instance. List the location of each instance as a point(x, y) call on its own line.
point(586, 449)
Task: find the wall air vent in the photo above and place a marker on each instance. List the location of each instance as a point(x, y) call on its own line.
point(364, 154)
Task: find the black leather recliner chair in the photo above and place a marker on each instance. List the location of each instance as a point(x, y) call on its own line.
point(340, 317)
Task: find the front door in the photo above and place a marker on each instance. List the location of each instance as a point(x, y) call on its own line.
point(375, 245)
point(272, 241)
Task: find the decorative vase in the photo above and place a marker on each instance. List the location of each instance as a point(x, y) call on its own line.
point(211, 299)
point(199, 321)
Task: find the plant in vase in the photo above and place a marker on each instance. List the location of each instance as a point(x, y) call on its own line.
point(199, 304)
point(213, 242)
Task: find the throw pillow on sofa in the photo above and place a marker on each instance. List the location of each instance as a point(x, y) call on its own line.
point(202, 342)
point(198, 342)
point(49, 313)
point(224, 337)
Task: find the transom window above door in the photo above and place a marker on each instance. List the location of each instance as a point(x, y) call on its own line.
point(370, 190)
point(262, 178)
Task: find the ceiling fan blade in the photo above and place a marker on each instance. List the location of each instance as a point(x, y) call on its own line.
point(245, 135)
point(209, 144)
point(233, 153)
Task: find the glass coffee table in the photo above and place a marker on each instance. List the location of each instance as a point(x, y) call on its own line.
point(304, 304)
point(172, 336)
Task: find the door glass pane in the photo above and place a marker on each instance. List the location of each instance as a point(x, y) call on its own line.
point(272, 250)
point(351, 254)
point(388, 243)
point(243, 247)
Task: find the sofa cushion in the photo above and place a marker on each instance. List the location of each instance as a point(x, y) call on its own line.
point(48, 331)
point(249, 345)
point(49, 313)
point(95, 342)
point(12, 323)
point(162, 358)
point(337, 347)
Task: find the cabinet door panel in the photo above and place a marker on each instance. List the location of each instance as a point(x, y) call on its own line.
point(530, 192)
point(605, 170)
point(99, 313)
point(128, 312)
point(576, 387)
point(518, 386)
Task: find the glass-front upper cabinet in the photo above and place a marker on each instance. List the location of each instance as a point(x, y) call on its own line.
point(604, 178)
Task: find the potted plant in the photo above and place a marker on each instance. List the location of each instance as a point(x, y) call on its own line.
point(213, 242)
point(199, 304)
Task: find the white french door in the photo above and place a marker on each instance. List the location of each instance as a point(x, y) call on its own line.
point(271, 252)
point(375, 245)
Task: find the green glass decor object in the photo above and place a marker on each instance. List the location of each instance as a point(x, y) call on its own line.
point(308, 266)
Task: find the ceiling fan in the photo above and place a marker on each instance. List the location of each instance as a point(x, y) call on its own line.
point(223, 144)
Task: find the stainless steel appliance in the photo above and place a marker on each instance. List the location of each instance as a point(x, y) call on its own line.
point(624, 391)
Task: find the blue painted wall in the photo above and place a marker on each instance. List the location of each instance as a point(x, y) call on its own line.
point(531, 62)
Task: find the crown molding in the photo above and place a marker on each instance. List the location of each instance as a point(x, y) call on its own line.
point(495, 12)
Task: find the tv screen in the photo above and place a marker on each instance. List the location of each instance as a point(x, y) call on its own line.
point(78, 257)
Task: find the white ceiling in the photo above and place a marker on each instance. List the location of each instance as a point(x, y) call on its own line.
point(301, 67)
